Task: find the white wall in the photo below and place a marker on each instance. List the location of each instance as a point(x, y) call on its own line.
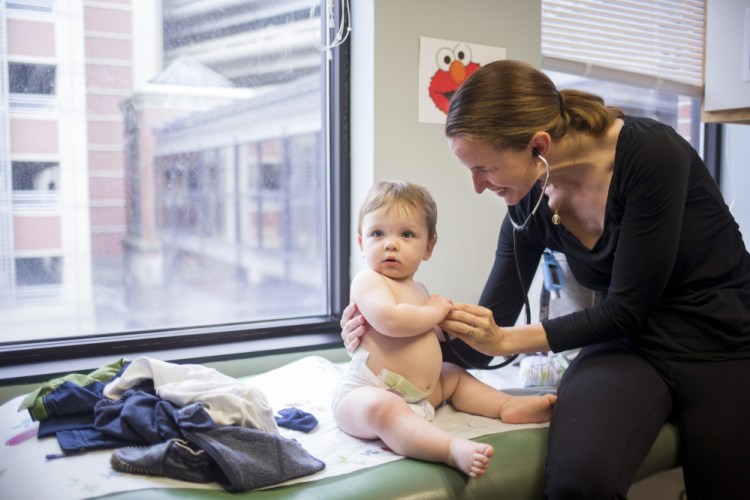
point(388, 142)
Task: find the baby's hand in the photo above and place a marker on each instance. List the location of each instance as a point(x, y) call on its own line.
point(444, 305)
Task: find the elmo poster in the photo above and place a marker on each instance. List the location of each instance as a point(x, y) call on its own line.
point(443, 66)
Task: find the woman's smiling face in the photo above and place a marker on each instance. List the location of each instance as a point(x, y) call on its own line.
point(508, 173)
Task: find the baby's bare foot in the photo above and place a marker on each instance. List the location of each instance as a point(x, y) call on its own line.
point(470, 457)
point(528, 409)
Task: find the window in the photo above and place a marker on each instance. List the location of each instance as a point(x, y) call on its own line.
point(31, 87)
point(644, 57)
point(31, 79)
point(35, 184)
point(38, 271)
point(681, 112)
point(35, 176)
point(190, 201)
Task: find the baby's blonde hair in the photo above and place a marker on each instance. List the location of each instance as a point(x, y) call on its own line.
point(402, 194)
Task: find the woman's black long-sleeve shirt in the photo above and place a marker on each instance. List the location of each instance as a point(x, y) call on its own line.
point(671, 260)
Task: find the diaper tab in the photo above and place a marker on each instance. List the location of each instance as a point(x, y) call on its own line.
point(399, 384)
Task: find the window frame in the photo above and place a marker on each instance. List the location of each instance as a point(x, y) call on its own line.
point(21, 361)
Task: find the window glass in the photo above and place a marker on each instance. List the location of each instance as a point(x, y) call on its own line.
point(680, 112)
point(35, 184)
point(38, 271)
point(31, 79)
point(189, 171)
point(35, 176)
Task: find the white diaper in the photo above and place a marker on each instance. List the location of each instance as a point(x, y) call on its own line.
point(359, 375)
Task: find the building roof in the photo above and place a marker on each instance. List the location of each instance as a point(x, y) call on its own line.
point(187, 71)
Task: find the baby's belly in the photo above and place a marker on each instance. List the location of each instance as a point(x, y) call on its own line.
point(418, 359)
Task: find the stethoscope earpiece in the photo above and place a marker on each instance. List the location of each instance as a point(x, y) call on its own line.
point(521, 227)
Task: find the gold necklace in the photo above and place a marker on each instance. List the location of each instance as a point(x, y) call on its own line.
point(556, 218)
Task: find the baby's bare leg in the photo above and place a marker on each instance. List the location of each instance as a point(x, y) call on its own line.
point(371, 413)
point(470, 395)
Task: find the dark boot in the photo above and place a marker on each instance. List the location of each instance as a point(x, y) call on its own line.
point(174, 458)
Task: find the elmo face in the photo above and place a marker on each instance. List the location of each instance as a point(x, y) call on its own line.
point(454, 66)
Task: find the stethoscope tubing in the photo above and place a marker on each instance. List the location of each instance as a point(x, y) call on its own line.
point(522, 227)
point(517, 228)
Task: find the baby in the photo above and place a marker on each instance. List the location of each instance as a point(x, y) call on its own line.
point(397, 377)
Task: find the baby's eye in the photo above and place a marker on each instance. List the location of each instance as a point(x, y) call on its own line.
point(407, 234)
point(377, 233)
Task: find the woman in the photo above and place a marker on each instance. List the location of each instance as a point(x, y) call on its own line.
point(638, 216)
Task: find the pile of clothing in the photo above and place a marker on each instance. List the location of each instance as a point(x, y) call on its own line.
point(188, 422)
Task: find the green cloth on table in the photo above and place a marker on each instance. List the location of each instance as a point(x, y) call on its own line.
point(34, 401)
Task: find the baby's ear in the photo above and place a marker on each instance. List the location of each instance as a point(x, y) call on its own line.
point(430, 248)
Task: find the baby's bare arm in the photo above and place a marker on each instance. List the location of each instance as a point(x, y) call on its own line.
point(377, 300)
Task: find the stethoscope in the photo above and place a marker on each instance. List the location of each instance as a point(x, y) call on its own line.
point(521, 227)
point(517, 228)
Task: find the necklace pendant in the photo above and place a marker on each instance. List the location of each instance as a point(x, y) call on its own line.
point(556, 219)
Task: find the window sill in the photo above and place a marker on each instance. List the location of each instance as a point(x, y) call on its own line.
point(43, 371)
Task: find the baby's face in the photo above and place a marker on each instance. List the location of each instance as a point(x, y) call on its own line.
point(394, 242)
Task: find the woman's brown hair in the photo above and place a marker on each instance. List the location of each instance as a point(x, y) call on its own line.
point(506, 102)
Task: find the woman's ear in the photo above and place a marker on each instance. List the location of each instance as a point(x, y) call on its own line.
point(540, 144)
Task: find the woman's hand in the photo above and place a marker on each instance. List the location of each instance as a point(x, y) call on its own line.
point(476, 326)
point(442, 305)
point(352, 327)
